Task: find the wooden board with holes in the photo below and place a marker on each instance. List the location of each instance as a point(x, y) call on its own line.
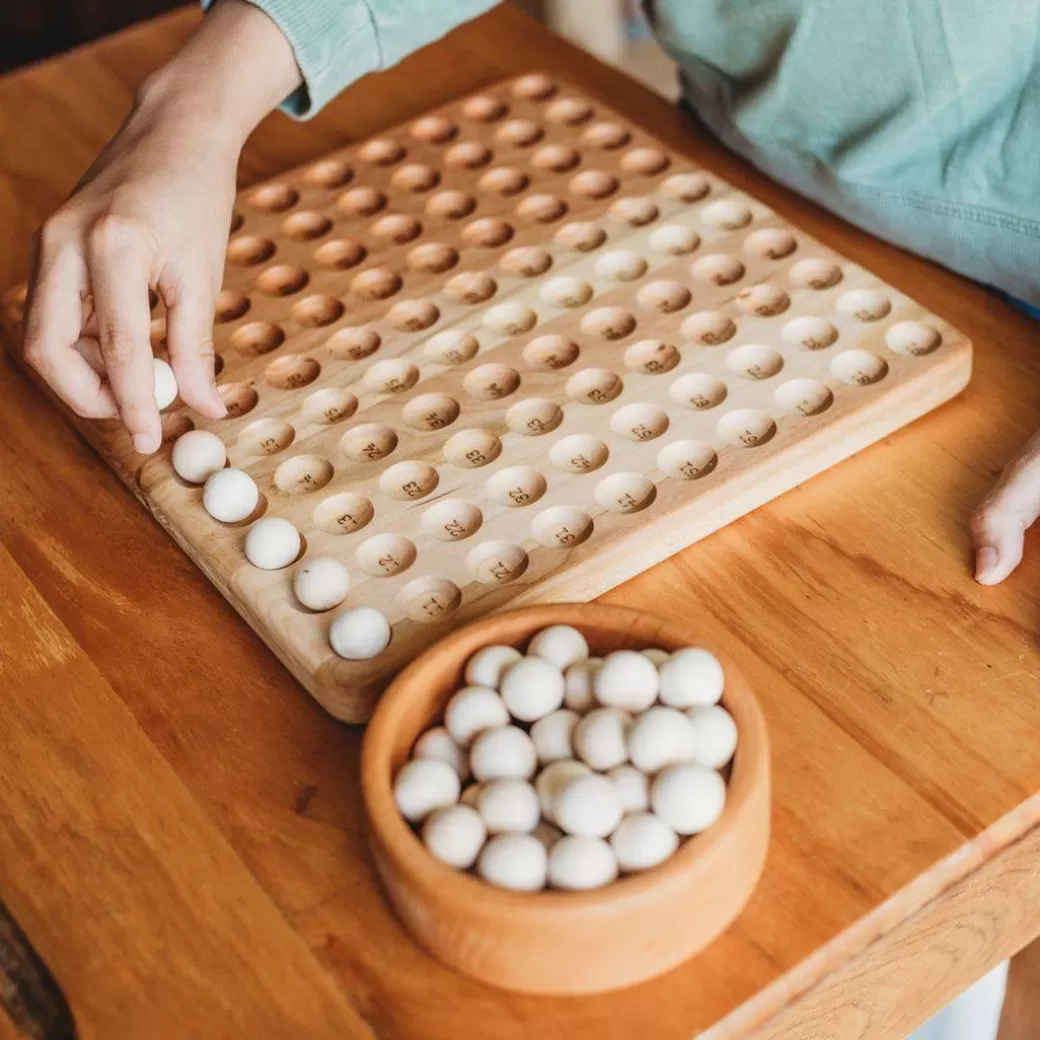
point(518, 350)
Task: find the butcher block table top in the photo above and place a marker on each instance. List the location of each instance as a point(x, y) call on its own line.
point(182, 847)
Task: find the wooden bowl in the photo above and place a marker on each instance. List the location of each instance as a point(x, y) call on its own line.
point(564, 942)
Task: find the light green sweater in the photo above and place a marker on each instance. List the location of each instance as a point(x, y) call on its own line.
point(916, 119)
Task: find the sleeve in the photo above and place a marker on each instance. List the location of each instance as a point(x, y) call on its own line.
point(338, 41)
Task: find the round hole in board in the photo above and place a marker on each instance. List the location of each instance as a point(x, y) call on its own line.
point(593, 184)
point(698, 390)
point(664, 297)
point(717, 269)
point(496, 562)
point(237, 220)
point(569, 111)
point(491, 382)
point(755, 360)
point(412, 315)
point(864, 304)
point(807, 396)
point(471, 449)
point(482, 108)
point(708, 327)
point(594, 386)
point(520, 133)
point(625, 493)
point(174, 426)
point(764, 299)
point(770, 243)
point(468, 155)
point(451, 347)
point(344, 513)
point(621, 264)
point(282, 280)
point(249, 250)
point(557, 158)
point(303, 474)
point(578, 453)
point(382, 151)
point(535, 86)
point(393, 376)
point(634, 211)
point(685, 187)
point(409, 481)
point(542, 209)
point(859, 367)
point(432, 258)
point(746, 427)
point(504, 180)
point(452, 520)
point(470, 287)
point(316, 311)
point(331, 405)
point(157, 333)
point(434, 129)
point(306, 226)
point(290, 373)
point(609, 323)
point(550, 353)
point(810, 332)
point(451, 205)
point(368, 442)
point(266, 437)
point(727, 214)
point(645, 161)
point(329, 173)
point(340, 255)
point(516, 486)
point(533, 417)
point(562, 527)
point(397, 228)
point(687, 459)
point(416, 177)
point(275, 198)
point(652, 357)
point(230, 306)
point(912, 338)
point(353, 344)
point(674, 239)
point(512, 318)
point(639, 422)
point(487, 232)
point(607, 136)
point(814, 273)
point(218, 365)
point(431, 411)
point(566, 291)
point(526, 261)
point(384, 555)
point(428, 600)
point(361, 202)
point(239, 398)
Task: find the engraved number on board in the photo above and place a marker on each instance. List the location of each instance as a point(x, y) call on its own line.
point(371, 451)
point(580, 462)
point(519, 497)
point(412, 490)
point(347, 521)
point(599, 396)
point(455, 529)
point(432, 607)
point(268, 444)
point(389, 563)
point(644, 433)
point(626, 501)
point(477, 457)
point(536, 425)
point(500, 570)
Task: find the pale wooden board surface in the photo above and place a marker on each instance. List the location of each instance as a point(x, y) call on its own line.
point(459, 459)
point(901, 698)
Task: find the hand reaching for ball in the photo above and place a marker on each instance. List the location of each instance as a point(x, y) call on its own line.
point(152, 213)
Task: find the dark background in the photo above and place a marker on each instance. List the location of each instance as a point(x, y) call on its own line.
point(34, 29)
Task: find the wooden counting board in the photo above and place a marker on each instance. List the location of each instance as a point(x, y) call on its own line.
point(519, 351)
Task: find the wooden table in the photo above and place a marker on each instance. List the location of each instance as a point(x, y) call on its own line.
point(181, 837)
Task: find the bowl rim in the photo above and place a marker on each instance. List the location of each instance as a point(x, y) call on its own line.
point(391, 836)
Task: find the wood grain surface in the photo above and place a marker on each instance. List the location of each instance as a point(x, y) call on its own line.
point(901, 698)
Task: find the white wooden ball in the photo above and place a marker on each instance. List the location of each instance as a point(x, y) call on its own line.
point(503, 751)
point(487, 665)
point(714, 735)
point(577, 684)
point(165, 384)
point(578, 864)
point(197, 455)
point(561, 645)
point(272, 543)
point(552, 780)
point(515, 861)
point(689, 798)
point(359, 634)
point(633, 788)
point(230, 495)
point(642, 841)
point(552, 735)
point(509, 804)
point(423, 785)
point(660, 737)
point(321, 583)
point(588, 805)
point(627, 680)
point(455, 834)
point(601, 738)
point(691, 676)
point(437, 744)
point(532, 688)
point(472, 710)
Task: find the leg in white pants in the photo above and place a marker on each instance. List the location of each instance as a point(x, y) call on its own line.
point(974, 1015)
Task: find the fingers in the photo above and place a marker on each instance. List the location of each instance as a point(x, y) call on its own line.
point(189, 338)
point(999, 524)
point(52, 330)
point(119, 256)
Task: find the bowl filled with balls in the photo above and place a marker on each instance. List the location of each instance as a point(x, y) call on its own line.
point(568, 798)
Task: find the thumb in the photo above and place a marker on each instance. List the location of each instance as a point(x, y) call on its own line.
point(999, 524)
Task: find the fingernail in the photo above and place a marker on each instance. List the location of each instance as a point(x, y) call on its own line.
point(145, 443)
point(986, 560)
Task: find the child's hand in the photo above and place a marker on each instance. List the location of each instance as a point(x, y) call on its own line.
point(153, 212)
point(999, 524)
